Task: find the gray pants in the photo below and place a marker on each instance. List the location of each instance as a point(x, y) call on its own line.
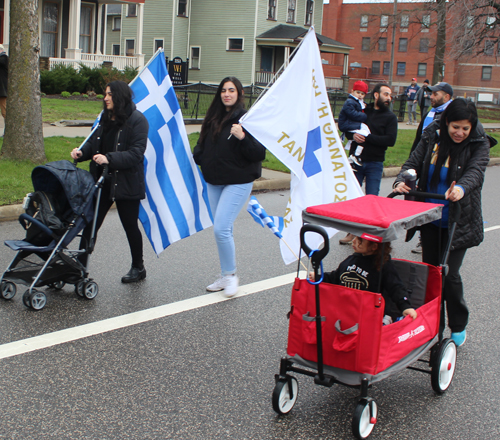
point(412, 111)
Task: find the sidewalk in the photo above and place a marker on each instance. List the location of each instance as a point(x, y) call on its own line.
point(270, 180)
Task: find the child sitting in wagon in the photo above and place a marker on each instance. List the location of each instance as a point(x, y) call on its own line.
point(362, 271)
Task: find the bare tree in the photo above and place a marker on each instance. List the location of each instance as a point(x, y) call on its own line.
point(23, 138)
point(438, 72)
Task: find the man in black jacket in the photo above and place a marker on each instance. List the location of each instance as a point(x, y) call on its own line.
point(383, 125)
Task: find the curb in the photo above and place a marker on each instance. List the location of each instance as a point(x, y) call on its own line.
point(12, 212)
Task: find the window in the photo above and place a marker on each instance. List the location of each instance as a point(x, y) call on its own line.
point(364, 21)
point(132, 10)
point(365, 43)
point(116, 49)
point(384, 23)
point(426, 22)
point(403, 45)
point(271, 10)
point(490, 22)
point(375, 67)
point(401, 69)
point(290, 16)
point(489, 47)
point(182, 8)
point(486, 74)
point(422, 69)
point(387, 67)
point(424, 45)
point(117, 23)
point(382, 44)
point(309, 12)
point(158, 43)
point(470, 22)
point(129, 48)
point(467, 46)
point(50, 27)
point(405, 22)
point(85, 28)
point(235, 44)
point(194, 61)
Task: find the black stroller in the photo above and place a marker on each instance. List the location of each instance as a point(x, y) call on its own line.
point(43, 257)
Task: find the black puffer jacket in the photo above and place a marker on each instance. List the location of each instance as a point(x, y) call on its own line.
point(467, 170)
point(126, 161)
point(226, 161)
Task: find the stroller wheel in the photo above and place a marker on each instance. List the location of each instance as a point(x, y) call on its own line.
point(443, 365)
point(79, 287)
point(90, 289)
point(9, 290)
point(285, 394)
point(364, 418)
point(26, 298)
point(58, 285)
point(37, 300)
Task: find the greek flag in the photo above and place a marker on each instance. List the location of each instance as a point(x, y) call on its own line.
point(260, 216)
point(176, 204)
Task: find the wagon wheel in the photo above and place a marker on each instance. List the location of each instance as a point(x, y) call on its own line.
point(90, 289)
point(9, 290)
point(443, 365)
point(37, 300)
point(364, 418)
point(285, 394)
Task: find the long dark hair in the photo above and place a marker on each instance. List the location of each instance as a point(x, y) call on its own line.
point(122, 98)
point(458, 110)
point(217, 113)
point(382, 257)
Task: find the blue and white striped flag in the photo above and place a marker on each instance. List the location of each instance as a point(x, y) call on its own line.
point(176, 204)
point(259, 214)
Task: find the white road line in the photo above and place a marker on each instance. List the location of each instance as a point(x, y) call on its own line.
point(83, 331)
point(492, 228)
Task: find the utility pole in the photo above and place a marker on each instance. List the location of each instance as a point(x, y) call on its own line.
point(394, 20)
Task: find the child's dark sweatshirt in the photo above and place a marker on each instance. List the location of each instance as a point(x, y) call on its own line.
point(359, 272)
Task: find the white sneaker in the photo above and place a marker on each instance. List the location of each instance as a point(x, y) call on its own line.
point(232, 286)
point(218, 285)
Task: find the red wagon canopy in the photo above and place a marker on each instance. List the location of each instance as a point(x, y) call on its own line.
point(372, 217)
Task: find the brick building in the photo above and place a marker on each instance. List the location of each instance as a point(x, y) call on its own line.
point(366, 25)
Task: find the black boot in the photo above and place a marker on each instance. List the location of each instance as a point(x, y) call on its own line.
point(134, 274)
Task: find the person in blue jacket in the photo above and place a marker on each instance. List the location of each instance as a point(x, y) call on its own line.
point(411, 92)
point(352, 118)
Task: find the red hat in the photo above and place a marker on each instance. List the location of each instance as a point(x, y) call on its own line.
point(414, 79)
point(361, 86)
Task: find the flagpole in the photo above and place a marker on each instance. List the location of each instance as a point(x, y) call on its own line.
point(294, 254)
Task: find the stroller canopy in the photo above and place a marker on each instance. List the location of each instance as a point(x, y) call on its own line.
point(372, 217)
point(78, 185)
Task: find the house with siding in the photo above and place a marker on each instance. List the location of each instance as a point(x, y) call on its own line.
point(249, 39)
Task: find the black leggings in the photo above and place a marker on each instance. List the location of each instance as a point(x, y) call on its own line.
point(432, 252)
point(128, 211)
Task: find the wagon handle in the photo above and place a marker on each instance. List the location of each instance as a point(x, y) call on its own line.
point(317, 255)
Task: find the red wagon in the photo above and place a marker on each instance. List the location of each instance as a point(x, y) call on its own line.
point(337, 332)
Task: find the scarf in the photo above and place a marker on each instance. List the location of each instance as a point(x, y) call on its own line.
point(433, 112)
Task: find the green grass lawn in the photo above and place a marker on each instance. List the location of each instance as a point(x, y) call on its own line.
point(58, 109)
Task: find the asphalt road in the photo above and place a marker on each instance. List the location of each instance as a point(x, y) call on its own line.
point(194, 366)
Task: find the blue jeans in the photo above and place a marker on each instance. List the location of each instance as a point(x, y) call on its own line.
point(372, 172)
point(412, 111)
point(226, 201)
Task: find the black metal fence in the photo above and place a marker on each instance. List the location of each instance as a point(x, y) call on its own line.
point(194, 100)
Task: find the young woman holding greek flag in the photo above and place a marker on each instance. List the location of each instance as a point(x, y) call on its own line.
point(230, 160)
